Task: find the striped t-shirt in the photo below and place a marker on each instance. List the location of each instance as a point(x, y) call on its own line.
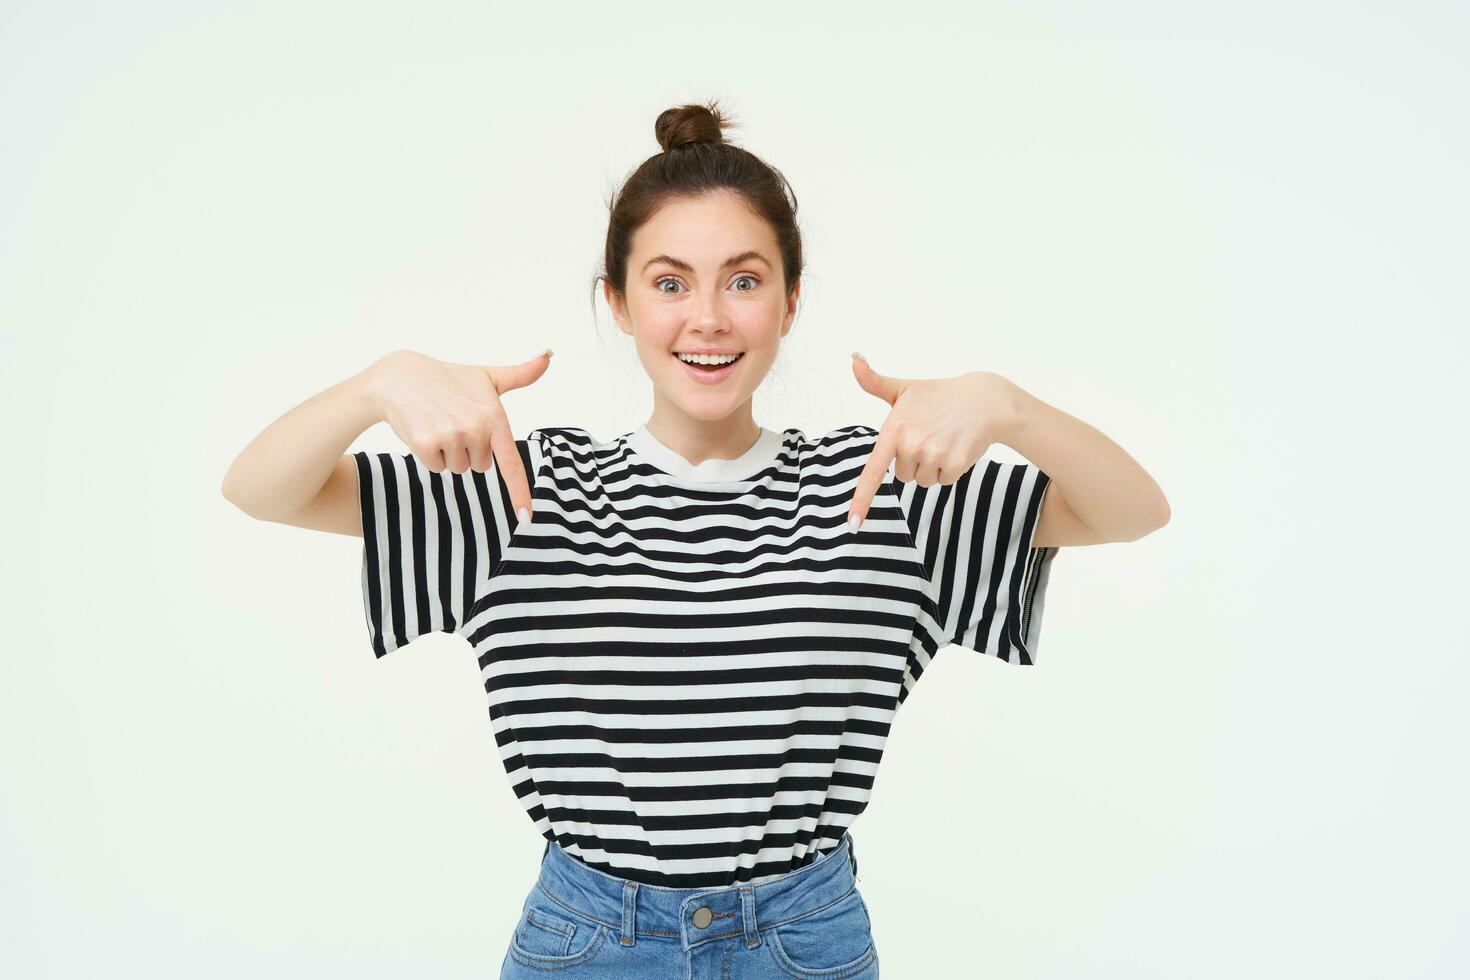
point(692, 670)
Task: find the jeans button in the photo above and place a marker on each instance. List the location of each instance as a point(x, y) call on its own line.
point(703, 917)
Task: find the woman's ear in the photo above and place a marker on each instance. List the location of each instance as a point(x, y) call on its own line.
point(618, 306)
point(790, 308)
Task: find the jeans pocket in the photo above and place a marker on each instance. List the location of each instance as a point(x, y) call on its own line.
point(549, 939)
point(832, 943)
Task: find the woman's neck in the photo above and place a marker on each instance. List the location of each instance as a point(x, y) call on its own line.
point(697, 440)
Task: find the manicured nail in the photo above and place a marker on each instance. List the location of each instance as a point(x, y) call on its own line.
point(545, 353)
point(523, 515)
point(858, 357)
point(853, 522)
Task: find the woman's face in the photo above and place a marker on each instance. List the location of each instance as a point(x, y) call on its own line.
point(704, 274)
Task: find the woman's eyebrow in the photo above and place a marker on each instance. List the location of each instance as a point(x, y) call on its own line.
point(682, 266)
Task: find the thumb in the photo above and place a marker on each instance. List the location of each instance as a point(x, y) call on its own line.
point(519, 375)
point(874, 383)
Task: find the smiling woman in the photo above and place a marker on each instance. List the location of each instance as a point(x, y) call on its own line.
point(702, 269)
point(707, 312)
point(692, 647)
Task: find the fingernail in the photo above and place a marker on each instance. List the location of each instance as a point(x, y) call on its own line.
point(853, 522)
point(523, 515)
point(545, 353)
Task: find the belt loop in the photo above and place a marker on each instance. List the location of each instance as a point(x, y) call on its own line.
point(747, 908)
point(630, 905)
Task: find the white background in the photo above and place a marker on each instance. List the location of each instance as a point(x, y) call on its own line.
point(1229, 236)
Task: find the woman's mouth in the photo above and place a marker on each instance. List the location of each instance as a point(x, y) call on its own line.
point(709, 368)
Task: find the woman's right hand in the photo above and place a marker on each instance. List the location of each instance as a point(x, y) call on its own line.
point(450, 415)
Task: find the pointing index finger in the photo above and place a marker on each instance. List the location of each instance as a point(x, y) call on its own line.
point(870, 480)
point(512, 470)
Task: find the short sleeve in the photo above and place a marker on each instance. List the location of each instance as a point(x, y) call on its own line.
point(430, 542)
point(987, 582)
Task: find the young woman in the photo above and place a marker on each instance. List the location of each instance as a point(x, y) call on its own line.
point(694, 636)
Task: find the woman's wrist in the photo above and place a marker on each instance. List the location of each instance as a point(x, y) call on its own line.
point(1002, 405)
point(365, 390)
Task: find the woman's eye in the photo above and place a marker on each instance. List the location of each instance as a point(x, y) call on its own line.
point(659, 284)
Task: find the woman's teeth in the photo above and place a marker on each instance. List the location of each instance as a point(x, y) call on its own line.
point(708, 358)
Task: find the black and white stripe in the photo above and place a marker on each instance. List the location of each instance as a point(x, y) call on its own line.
point(691, 681)
point(974, 537)
point(431, 542)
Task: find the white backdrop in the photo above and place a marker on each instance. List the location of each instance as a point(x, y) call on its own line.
point(1229, 236)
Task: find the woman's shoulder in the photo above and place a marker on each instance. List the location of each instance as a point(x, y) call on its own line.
point(837, 434)
point(848, 431)
point(845, 435)
point(562, 435)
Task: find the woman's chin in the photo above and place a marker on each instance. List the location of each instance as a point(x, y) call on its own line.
point(706, 406)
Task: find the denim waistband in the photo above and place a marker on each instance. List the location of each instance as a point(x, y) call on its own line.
point(632, 909)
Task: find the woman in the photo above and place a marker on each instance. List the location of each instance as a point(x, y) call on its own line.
point(694, 636)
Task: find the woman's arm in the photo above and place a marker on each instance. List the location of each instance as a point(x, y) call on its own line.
point(280, 474)
point(1098, 493)
point(938, 430)
point(449, 415)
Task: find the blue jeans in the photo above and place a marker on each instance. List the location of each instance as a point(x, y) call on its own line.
point(808, 924)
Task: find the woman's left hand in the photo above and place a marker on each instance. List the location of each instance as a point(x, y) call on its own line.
point(936, 430)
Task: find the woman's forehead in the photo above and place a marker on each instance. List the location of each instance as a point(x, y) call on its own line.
point(704, 237)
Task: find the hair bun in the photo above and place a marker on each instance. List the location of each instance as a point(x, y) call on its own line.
point(687, 124)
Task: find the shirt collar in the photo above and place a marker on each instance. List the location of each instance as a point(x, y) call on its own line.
point(743, 467)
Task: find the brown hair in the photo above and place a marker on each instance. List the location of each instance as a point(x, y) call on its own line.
point(696, 160)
